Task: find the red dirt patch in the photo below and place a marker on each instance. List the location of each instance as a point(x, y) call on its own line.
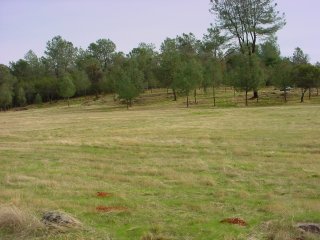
point(111, 209)
point(103, 194)
point(237, 221)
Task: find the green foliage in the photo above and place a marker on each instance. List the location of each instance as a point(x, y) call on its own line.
point(246, 20)
point(184, 64)
point(61, 55)
point(247, 74)
point(6, 87)
point(66, 87)
point(188, 77)
point(146, 58)
point(81, 81)
point(38, 99)
point(213, 74)
point(95, 74)
point(47, 87)
point(21, 97)
point(282, 76)
point(188, 45)
point(169, 61)
point(269, 52)
point(214, 42)
point(299, 57)
point(102, 50)
point(115, 74)
point(317, 77)
point(305, 76)
point(130, 82)
point(6, 96)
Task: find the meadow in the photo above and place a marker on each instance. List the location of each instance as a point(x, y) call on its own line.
point(173, 172)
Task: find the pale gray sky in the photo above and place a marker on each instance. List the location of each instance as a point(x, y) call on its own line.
point(29, 24)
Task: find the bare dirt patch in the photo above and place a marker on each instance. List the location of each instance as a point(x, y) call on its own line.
point(112, 209)
point(236, 221)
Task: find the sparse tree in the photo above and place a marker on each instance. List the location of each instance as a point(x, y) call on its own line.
point(304, 76)
point(103, 50)
point(213, 76)
point(60, 55)
point(247, 73)
point(269, 52)
point(169, 61)
point(299, 57)
point(214, 42)
point(187, 77)
point(282, 76)
point(130, 82)
point(247, 21)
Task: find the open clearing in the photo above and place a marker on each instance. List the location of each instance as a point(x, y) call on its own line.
point(174, 173)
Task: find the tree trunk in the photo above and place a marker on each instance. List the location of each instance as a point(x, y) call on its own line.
point(174, 95)
point(309, 93)
point(214, 95)
point(246, 97)
point(195, 96)
point(205, 89)
point(68, 102)
point(285, 95)
point(188, 101)
point(255, 94)
point(302, 95)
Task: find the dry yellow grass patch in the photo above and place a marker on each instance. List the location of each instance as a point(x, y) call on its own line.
point(17, 221)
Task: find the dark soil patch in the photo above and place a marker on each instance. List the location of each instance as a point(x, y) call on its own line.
point(236, 221)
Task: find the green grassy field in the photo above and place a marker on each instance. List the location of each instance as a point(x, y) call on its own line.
point(178, 171)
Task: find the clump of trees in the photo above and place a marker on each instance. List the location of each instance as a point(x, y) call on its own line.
point(239, 51)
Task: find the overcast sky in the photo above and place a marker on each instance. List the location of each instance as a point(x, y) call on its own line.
point(29, 24)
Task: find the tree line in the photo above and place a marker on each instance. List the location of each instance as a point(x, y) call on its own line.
point(229, 53)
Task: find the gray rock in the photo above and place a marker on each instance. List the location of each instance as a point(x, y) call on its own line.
point(309, 227)
point(60, 219)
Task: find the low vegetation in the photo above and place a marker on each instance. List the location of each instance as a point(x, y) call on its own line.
point(161, 171)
